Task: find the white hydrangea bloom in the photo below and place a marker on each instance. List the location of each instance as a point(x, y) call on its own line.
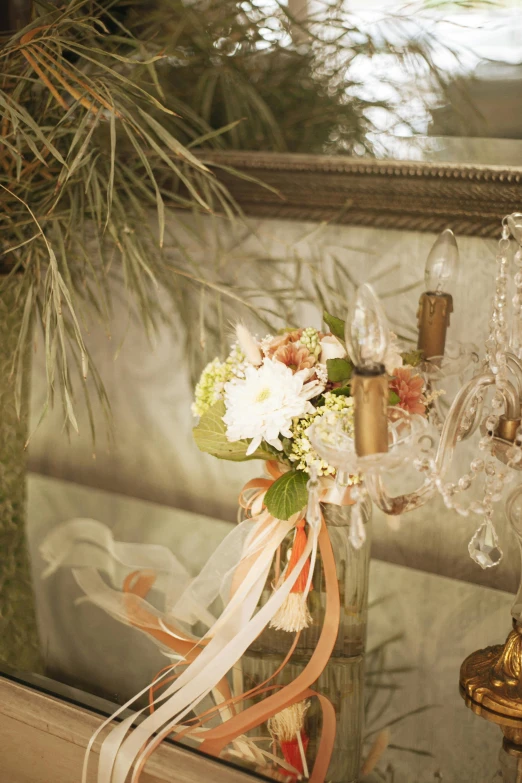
point(262, 406)
point(211, 384)
point(302, 454)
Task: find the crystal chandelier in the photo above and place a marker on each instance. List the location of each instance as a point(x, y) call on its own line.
point(389, 438)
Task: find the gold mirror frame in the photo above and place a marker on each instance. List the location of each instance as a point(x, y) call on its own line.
point(409, 196)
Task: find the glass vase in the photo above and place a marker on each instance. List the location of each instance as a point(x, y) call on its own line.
point(342, 682)
point(19, 644)
point(352, 567)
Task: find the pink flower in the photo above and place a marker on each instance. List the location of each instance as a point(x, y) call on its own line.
point(410, 390)
point(281, 340)
point(297, 357)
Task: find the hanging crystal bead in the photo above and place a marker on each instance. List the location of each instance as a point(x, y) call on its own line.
point(357, 534)
point(483, 547)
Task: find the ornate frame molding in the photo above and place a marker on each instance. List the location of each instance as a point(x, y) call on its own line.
point(413, 196)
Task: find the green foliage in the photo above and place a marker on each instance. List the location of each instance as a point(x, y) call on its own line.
point(336, 325)
point(288, 494)
point(413, 358)
point(88, 153)
point(342, 391)
point(104, 106)
point(210, 437)
point(339, 370)
point(394, 398)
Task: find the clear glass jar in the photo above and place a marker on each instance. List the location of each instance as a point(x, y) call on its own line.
point(352, 566)
point(342, 682)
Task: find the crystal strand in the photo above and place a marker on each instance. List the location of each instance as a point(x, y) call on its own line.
point(516, 326)
point(498, 340)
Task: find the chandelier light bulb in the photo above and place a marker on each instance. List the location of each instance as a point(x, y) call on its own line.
point(442, 264)
point(366, 331)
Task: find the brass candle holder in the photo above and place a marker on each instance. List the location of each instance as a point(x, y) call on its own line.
point(366, 334)
point(433, 320)
point(370, 393)
point(507, 428)
point(436, 305)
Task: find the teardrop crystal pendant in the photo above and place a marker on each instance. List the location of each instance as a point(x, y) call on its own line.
point(357, 534)
point(483, 547)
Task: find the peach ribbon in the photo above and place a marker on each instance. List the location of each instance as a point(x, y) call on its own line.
point(218, 738)
point(209, 660)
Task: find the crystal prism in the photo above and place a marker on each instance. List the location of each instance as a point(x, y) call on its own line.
point(357, 534)
point(515, 226)
point(483, 547)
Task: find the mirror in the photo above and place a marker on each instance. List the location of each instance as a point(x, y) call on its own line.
point(369, 116)
point(381, 79)
point(428, 90)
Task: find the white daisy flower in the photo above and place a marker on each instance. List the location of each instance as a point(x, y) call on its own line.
point(263, 405)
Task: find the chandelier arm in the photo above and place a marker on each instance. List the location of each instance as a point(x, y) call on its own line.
point(512, 397)
point(461, 403)
point(475, 422)
point(515, 365)
point(395, 506)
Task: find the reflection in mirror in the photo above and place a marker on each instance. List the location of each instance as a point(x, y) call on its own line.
point(128, 592)
point(394, 713)
point(409, 81)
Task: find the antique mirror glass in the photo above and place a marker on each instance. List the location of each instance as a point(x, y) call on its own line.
point(349, 133)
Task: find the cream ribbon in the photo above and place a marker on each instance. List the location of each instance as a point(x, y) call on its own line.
point(88, 547)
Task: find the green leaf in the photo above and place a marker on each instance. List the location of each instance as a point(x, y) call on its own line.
point(339, 370)
point(288, 494)
point(343, 391)
point(394, 398)
point(210, 436)
point(413, 358)
point(336, 325)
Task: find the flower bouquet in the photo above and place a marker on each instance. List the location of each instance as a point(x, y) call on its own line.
point(260, 404)
point(294, 564)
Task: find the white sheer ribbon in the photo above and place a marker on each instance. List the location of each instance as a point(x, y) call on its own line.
point(88, 548)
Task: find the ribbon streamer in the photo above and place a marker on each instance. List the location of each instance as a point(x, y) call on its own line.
point(237, 571)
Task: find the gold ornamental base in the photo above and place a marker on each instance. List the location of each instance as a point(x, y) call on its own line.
point(491, 684)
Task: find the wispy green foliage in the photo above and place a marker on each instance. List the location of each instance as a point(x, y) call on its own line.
point(104, 109)
point(86, 157)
